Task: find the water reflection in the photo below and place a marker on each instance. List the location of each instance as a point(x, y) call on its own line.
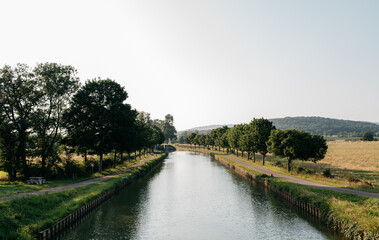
point(191, 196)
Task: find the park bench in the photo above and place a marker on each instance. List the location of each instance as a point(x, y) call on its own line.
point(36, 180)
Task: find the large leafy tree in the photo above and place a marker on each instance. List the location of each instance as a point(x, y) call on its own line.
point(57, 84)
point(295, 144)
point(247, 142)
point(20, 94)
point(92, 114)
point(222, 137)
point(123, 130)
point(234, 135)
point(261, 129)
point(168, 128)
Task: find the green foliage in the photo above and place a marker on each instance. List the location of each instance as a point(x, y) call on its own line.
point(168, 128)
point(20, 94)
point(234, 135)
point(35, 121)
point(261, 129)
point(295, 144)
point(327, 173)
point(368, 136)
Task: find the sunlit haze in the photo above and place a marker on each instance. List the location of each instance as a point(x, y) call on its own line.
point(210, 62)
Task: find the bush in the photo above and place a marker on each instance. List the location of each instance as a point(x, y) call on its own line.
point(328, 173)
point(309, 171)
point(299, 169)
point(353, 179)
point(278, 164)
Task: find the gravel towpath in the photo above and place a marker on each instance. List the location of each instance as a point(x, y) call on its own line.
point(300, 181)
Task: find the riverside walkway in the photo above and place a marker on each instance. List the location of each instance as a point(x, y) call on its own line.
point(299, 181)
point(80, 184)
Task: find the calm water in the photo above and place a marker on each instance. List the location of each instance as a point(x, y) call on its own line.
point(192, 196)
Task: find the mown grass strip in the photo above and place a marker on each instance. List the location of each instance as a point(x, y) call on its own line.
point(24, 217)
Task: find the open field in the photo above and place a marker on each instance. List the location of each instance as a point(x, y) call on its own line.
point(352, 164)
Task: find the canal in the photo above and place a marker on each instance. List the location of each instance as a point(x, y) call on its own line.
point(191, 196)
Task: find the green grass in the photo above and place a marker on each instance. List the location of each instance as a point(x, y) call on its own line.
point(22, 218)
point(8, 188)
point(353, 165)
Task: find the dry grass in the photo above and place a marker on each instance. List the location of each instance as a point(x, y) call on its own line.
point(353, 155)
point(352, 164)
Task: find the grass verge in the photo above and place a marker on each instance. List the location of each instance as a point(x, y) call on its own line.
point(8, 188)
point(22, 218)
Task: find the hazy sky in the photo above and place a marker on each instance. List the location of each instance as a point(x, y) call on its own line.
point(210, 62)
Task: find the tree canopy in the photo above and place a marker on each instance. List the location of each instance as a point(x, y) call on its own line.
point(295, 144)
point(44, 110)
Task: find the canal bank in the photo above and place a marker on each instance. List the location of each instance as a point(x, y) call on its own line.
point(26, 218)
point(355, 217)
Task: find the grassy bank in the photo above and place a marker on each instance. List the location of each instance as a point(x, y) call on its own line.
point(354, 216)
point(350, 164)
point(8, 188)
point(22, 218)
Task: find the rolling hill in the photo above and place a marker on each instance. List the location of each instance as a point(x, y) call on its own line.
point(314, 125)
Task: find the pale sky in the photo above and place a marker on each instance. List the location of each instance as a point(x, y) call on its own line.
point(210, 62)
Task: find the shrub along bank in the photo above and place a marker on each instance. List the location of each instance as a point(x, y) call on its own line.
point(356, 217)
point(23, 218)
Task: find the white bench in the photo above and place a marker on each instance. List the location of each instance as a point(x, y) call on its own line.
point(36, 180)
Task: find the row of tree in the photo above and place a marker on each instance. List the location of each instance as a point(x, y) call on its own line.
point(45, 107)
point(261, 136)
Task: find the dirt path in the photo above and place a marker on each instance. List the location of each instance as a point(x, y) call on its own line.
point(80, 184)
point(301, 181)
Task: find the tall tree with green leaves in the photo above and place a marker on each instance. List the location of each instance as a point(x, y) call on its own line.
point(94, 109)
point(20, 94)
point(295, 144)
point(247, 141)
point(234, 135)
point(58, 83)
point(262, 129)
point(222, 137)
point(168, 128)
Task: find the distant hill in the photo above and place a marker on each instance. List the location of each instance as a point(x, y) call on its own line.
point(314, 125)
point(326, 126)
point(204, 129)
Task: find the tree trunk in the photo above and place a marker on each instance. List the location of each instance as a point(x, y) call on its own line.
point(85, 156)
point(289, 165)
point(101, 163)
point(242, 153)
point(22, 152)
point(254, 157)
point(43, 164)
point(114, 158)
point(237, 152)
point(263, 159)
point(248, 155)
